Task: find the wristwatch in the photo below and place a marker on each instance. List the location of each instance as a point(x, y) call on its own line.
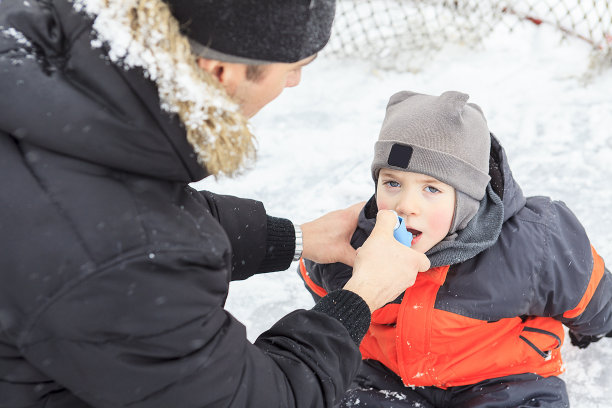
point(299, 245)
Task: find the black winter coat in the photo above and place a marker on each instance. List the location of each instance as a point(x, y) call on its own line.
point(113, 271)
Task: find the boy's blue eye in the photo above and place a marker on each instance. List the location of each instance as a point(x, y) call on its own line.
point(432, 189)
point(393, 183)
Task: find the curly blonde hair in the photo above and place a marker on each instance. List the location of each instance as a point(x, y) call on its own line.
point(144, 33)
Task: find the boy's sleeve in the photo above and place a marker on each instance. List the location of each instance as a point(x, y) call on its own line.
point(583, 285)
point(592, 318)
point(311, 281)
point(321, 279)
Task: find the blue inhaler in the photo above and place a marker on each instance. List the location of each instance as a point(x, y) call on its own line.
point(401, 233)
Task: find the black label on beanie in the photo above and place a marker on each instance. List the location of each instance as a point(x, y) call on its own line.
point(400, 155)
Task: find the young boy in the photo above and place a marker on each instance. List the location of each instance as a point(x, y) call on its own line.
point(483, 327)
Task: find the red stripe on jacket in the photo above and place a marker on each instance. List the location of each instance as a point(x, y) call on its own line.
point(313, 286)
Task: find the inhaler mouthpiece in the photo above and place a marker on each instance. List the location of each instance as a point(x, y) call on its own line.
point(401, 233)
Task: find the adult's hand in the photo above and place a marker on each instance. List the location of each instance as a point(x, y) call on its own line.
point(327, 239)
point(384, 268)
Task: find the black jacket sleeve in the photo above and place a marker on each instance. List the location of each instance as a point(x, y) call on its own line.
point(166, 341)
point(260, 243)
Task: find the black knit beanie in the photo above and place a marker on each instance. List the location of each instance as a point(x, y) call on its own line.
point(255, 31)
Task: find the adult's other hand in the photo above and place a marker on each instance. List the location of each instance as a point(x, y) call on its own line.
point(327, 239)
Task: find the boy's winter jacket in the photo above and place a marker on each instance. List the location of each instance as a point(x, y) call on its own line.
point(113, 271)
point(497, 313)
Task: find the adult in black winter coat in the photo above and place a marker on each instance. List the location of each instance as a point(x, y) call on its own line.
point(113, 271)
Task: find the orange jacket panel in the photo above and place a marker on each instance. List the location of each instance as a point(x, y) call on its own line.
point(431, 347)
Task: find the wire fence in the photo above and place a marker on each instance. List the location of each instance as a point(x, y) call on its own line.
point(405, 34)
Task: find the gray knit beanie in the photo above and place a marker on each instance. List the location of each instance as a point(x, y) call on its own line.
point(441, 136)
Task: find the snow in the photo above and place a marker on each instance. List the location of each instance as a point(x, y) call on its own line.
point(316, 143)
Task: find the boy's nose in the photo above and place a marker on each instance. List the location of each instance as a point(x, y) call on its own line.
point(408, 205)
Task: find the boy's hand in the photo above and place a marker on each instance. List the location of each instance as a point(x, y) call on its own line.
point(584, 341)
point(384, 268)
point(328, 238)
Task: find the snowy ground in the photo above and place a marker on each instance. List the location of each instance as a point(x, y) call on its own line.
point(316, 143)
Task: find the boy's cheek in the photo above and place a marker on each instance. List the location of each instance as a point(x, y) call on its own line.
point(381, 204)
point(440, 221)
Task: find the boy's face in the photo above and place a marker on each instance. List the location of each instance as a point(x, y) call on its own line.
point(426, 204)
